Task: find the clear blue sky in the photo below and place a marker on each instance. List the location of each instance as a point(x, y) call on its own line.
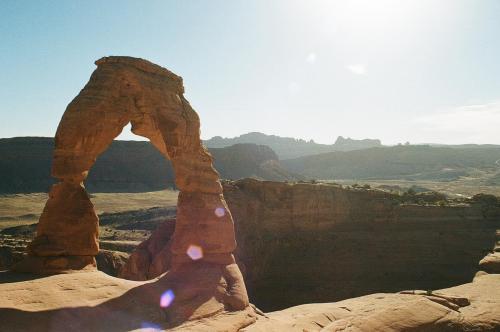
point(417, 70)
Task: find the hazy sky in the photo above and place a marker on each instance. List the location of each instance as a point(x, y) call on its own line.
point(418, 71)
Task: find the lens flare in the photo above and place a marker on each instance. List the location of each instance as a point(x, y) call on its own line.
point(195, 252)
point(167, 298)
point(150, 327)
point(220, 212)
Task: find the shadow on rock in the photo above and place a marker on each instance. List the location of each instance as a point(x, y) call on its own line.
point(192, 291)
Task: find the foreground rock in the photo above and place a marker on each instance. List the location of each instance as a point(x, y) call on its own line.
point(94, 301)
point(470, 307)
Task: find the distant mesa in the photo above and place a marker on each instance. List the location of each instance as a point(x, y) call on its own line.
point(349, 144)
point(289, 147)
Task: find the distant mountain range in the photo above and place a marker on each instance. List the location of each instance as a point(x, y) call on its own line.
point(137, 166)
point(126, 166)
point(288, 147)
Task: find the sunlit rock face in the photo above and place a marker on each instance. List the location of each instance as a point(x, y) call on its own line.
point(151, 98)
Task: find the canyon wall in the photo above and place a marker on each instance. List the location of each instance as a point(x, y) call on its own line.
point(301, 243)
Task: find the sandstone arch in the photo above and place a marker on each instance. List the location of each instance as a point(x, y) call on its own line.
point(123, 90)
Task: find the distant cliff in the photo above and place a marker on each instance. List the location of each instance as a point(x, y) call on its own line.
point(288, 147)
point(301, 243)
point(126, 166)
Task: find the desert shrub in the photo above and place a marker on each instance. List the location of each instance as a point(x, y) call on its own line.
point(484, 199)
point(422, 198)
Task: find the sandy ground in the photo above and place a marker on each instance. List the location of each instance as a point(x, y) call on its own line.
point(19, 209)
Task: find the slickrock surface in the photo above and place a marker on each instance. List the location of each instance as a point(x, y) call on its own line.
point(470, 307)
point(93, 301)
point(151, 98)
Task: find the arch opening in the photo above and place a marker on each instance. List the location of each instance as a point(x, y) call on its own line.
point(120, 169)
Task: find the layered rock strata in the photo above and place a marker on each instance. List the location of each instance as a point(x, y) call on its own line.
point(151, 98)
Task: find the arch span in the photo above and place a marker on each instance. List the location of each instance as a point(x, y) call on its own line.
point(123, 90)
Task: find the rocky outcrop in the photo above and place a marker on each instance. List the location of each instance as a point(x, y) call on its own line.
point(111, 262)
point(203, 272)
point(13, 250)
point(491, 262)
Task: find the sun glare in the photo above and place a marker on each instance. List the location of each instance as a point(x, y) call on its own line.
point(364, 15)
point(381, 11)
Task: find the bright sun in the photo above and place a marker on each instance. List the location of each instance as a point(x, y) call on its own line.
point(370, 13)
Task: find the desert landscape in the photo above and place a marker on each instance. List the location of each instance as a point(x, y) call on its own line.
point(298, 240)
point(129, 210)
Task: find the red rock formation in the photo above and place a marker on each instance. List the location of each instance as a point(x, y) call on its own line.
point(123, 90)
point(152, 257)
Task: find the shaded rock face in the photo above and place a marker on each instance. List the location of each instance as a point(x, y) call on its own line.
point(336, 243)
point(111, 262)
point(152, 257)
point(123, 90)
